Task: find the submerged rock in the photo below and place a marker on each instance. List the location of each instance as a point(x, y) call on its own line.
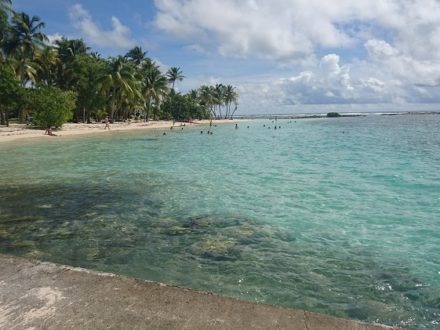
point(176, 231)
point(201, 221)
point(219, 248)
point(207, 221)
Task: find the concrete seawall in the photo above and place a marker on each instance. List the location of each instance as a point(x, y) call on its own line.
point(41, 295)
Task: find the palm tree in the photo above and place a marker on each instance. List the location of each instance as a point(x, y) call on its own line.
point(25, 36)
point(207, 98)
point(47, 60)
point(5, 10)
point(174, 74)
point(5, 5)
point(95, 55)
point(219, 97)
point(119, 83)
point(68, 51)
point(136, 55)
point(194, 95)
point(154, 88)
point(25, 70)
point(230, 97)
point(22, 43)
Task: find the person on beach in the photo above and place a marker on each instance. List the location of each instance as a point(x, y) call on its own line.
point(49, 132)
point(107, 123)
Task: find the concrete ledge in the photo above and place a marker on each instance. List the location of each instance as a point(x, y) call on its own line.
point(42, 295)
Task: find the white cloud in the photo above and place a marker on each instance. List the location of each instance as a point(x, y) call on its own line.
point(53, 37)
point(396, 42)
point(279, 29)
point(118, 37)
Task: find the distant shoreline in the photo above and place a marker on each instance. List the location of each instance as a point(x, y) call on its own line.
point(342, 114)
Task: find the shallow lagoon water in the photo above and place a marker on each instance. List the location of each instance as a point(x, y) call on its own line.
point(340, 216)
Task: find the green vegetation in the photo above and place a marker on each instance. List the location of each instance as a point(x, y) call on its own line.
point(122, 87)
point(9, 92)
point(52, 106)
point(333, 114)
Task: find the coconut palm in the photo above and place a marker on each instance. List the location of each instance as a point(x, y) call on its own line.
point(194, 95)
point(22, 42)
point(68, 51)
point(25, 69)
point(47, 60)
point(119, 83)
point(154, 88)
point(174, 74)
point(25, 36)
point(207, 98)
point(96, 55)
point(5, 10)
point(219, 97)
point(5, 6)
point(230, 97)
point(136, 55)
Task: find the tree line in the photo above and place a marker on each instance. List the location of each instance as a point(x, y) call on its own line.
point(66, 80)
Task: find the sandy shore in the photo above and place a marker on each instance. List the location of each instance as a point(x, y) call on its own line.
point(21, 131)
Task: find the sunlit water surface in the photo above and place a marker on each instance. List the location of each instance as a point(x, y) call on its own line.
point(340, 216)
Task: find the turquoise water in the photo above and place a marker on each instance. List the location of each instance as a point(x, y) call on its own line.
point(340, 216)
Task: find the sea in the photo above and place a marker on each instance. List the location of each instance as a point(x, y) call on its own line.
point(332, 215)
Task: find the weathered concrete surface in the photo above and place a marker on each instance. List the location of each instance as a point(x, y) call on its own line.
point(40, 295)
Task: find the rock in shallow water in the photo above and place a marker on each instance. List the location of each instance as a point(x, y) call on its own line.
point(219, 248)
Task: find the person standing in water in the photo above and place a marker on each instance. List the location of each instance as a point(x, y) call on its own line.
point(236, 126)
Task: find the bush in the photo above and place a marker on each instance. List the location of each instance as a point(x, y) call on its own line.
point(52, 107)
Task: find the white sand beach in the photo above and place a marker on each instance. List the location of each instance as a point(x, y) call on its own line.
point(21, 131)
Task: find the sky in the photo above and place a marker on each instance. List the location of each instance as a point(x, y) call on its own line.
point(283, 56)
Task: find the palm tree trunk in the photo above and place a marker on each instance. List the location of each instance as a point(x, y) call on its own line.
point(2, 118)
point(232, 114)
point(113, 105)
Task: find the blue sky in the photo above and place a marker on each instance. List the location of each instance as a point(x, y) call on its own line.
point(283, 56)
